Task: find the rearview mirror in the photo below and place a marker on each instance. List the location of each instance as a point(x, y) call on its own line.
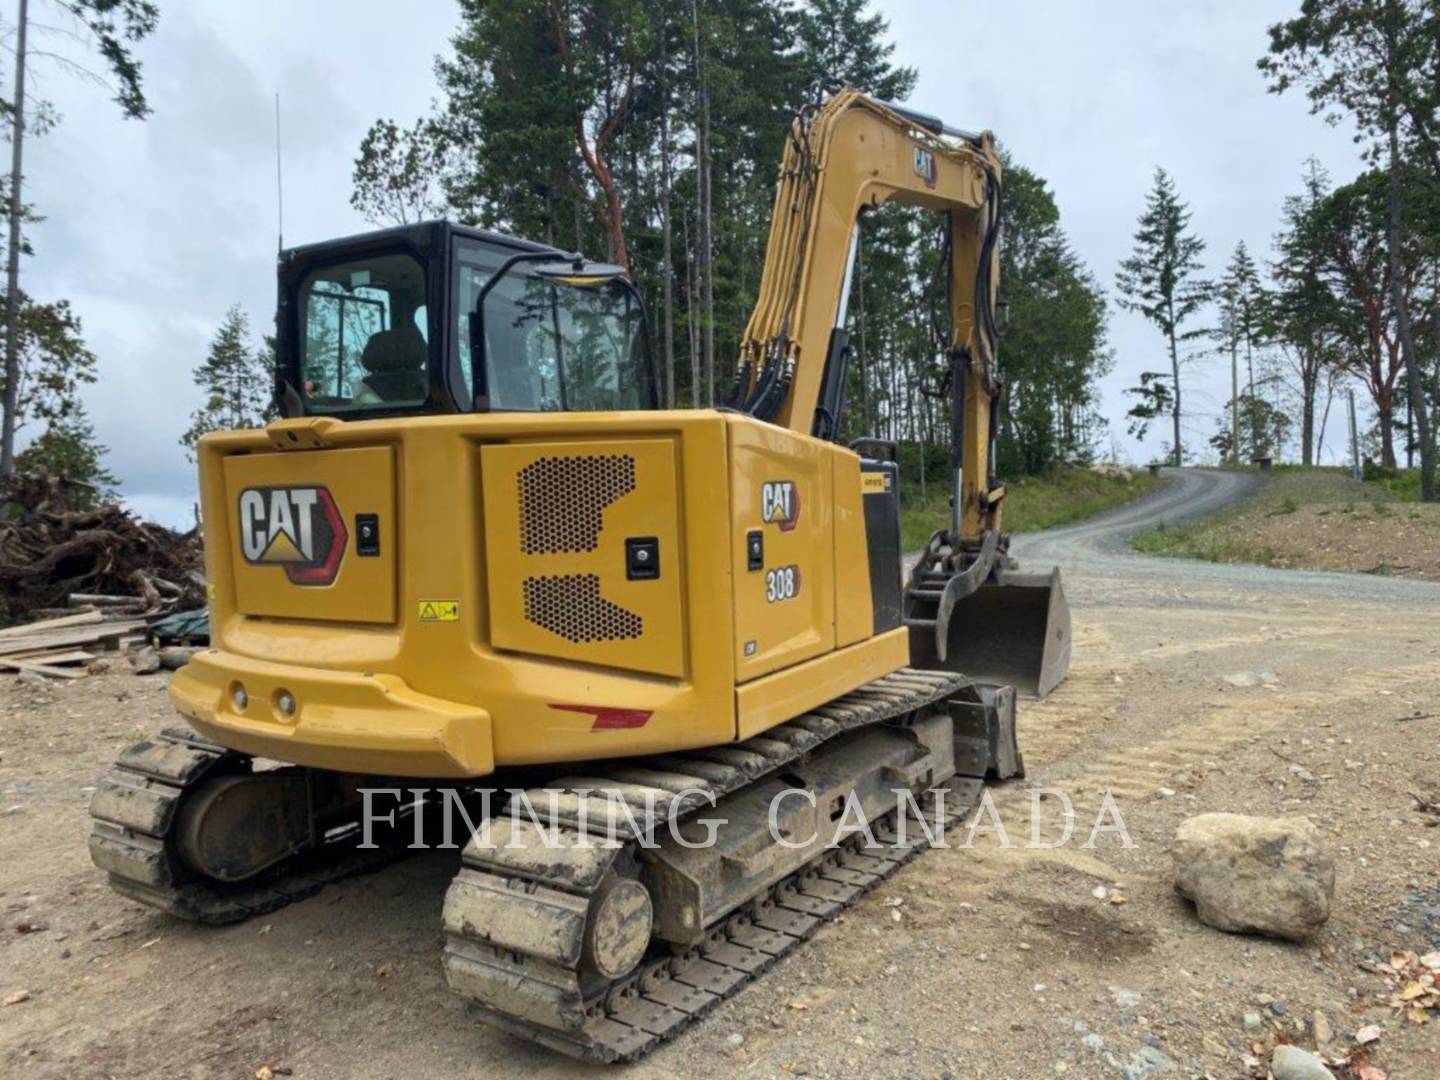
point(579, 273)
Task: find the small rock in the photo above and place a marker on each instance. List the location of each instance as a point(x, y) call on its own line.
point(145, 661)
point(1164, 793)
point(1094, 1042)
point(1147, 1062)
point(1126, 999)
point(1099, 892)
point(1253, 1021)
point(1321, 1029)
point(1302, 773)
point(735, 1039)
point(175, 657)
point(17, 997)
point(1279, 1008)
point(1252, 678)
point(33, 678)
point(1255, 874)
point(1292, 1063)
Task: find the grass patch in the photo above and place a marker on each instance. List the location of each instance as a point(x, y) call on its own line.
point(1400, 484)
point(1238, 534)
point(1031, 504)
point(1203, 540)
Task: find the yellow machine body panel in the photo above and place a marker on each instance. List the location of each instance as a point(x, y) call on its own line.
point(289, 531)
point(553, 567)
point(444, 668)
point(780, 487)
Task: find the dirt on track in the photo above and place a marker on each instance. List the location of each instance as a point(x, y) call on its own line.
point(986, 962)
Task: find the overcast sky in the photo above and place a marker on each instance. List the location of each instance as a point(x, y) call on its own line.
point(153, 229)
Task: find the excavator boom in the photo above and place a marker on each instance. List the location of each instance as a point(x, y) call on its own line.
point(967, 605)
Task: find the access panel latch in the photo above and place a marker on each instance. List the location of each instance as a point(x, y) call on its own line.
point(642, 558)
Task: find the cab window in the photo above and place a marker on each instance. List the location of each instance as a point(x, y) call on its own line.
point(551, 344)
point(364, 335)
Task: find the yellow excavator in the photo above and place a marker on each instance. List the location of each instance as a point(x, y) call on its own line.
point(475, 567)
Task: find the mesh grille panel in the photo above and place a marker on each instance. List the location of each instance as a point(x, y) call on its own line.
point(571, 605)
point(563, 500)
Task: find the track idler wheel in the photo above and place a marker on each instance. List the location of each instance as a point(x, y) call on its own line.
point(617, 932)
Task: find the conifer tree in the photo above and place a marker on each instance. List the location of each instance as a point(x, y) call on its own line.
point(1161, 281)
point(237, 380)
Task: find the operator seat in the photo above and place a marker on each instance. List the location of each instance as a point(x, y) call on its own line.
point(395, 361)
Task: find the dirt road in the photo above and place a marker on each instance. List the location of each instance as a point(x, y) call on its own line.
point(1195, 687)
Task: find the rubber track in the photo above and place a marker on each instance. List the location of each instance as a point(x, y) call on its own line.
point(627, 1019)
point(665, 996)
point(134, 847)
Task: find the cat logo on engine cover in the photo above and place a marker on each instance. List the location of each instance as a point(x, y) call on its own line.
point(299, 528)
point(780, 504)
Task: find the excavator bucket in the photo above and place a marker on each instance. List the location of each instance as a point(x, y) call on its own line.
point(1012, 630)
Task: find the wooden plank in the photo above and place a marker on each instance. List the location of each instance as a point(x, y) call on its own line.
point(79, 635)
point(43, 669)
point(50, 656)
point(80, 619)
point(105, 600)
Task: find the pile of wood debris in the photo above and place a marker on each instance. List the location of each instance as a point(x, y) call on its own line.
point(76, 582)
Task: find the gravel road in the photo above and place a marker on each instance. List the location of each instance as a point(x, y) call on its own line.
point(1095, 558)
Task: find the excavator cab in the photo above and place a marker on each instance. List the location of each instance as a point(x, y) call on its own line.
point(440, 318)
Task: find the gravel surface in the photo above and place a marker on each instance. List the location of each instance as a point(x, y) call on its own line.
point(1195, 688)
point(1095, 553)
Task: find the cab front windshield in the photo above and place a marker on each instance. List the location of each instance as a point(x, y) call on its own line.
point(551, 344)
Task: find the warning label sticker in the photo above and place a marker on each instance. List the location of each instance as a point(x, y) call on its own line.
point(875, 483)
point(439, 610)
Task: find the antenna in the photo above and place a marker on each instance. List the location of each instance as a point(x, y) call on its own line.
point(279, 186)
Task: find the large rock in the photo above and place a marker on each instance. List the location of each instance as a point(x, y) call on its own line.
point(1254, 874)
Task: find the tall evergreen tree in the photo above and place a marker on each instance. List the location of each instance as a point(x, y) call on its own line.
point(1302, 316)
point(839, 41)
point(1161, 281)
point(237, 380)
point(111, 28)
point(1242, 301)
point(1053, 349)
point(1377, 61)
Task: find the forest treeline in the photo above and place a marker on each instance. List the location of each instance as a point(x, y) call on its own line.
point(1350, 293)
point(650, 133)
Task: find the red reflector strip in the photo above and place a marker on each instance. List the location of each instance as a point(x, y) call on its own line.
point(608, 718)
